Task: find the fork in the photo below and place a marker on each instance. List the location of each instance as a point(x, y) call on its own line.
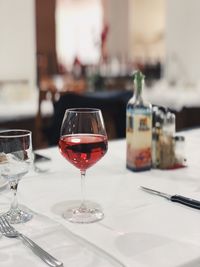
point(9, 231)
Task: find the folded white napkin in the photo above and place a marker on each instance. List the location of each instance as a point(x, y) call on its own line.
point(55, 239)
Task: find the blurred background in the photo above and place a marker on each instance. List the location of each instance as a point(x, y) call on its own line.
point(57, 54)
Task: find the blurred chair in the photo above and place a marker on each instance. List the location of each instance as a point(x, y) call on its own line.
point(112, 105)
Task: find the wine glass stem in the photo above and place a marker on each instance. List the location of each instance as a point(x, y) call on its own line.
point(13, 187)
point(83, 205)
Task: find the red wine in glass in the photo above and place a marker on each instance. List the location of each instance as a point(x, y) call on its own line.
point(83, 150)
point(83, 142)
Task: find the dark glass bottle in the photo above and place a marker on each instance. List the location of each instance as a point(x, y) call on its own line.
point(138, 128)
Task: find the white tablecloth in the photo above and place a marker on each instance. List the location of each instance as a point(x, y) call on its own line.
point(139, 229)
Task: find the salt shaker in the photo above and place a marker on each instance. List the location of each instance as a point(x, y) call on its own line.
point(179, 145)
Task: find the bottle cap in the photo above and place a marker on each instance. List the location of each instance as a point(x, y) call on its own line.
point(138, 77)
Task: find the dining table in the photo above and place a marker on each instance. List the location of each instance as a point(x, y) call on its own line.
point(138, 229)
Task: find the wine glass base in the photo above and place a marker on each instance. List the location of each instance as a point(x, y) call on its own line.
point(18, 216)
point(83, 215)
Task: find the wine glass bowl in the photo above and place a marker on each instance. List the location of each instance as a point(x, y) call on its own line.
point(83, 142)
point(15, 162)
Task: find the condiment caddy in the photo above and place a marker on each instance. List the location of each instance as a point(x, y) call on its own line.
point(151, 138)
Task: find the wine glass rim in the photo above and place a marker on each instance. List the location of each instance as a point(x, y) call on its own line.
point(10, 133)
point(83, 110)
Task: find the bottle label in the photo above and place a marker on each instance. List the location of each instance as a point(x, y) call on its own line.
point(139, 136)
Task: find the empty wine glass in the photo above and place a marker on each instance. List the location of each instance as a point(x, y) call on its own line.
point(15, 161)
point(83, 141)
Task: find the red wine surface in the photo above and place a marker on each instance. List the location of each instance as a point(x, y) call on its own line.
point(83, 150)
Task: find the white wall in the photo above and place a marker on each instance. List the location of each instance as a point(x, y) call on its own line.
point(118, 21)
point(147, 29)
point(183, 39)
point(17, 40)
point(137, 28)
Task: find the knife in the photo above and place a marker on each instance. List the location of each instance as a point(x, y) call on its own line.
point(175, 198)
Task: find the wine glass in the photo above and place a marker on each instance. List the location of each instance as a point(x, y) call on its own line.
point(83, 141)
point(15, 161)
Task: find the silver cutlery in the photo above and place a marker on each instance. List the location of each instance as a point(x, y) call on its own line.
point(190, 202)
point(9, 231)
